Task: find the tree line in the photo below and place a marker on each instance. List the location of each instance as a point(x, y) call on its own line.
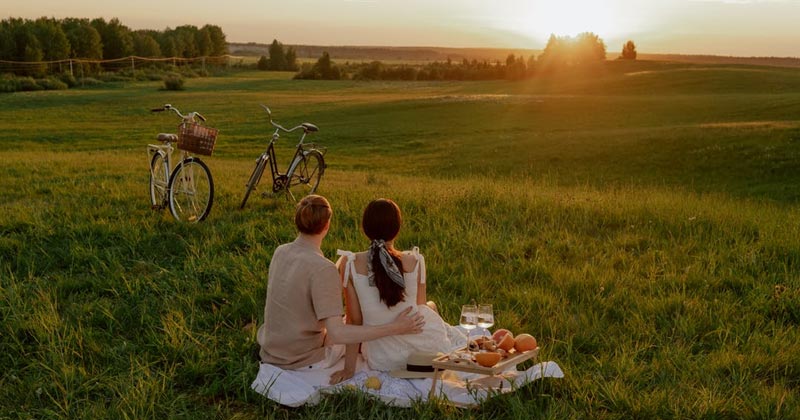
point(49, 39)
point(280, 58)
point(561, 53)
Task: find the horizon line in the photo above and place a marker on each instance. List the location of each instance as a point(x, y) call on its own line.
point(510, 48)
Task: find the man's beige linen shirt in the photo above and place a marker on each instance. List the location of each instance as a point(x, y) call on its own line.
point(303, 289)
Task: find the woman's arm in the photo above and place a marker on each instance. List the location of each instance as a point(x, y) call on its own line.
point(416, 261)
point(422, 293)
point(354, 317)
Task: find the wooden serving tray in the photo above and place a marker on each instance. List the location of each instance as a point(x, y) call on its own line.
point(444, 362)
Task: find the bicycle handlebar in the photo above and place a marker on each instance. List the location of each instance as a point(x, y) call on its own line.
point(190, 116)
point(276, 125)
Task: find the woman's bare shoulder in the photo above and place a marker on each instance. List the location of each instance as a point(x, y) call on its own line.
point(409, 260)
point(361, 261)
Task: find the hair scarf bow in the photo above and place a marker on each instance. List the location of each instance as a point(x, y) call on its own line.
point(387, 262)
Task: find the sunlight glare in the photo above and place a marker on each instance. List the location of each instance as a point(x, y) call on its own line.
point(538, 19)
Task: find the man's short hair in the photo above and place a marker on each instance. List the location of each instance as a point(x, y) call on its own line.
point(312, 214)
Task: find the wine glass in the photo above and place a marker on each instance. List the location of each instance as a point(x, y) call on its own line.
point(469, 319)
point(485, 317)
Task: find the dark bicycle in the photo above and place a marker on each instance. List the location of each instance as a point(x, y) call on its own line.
point(305, 169)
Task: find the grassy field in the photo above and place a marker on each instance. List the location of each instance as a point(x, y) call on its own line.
point(641, 222)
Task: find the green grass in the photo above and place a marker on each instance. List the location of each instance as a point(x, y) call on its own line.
point(641, 223)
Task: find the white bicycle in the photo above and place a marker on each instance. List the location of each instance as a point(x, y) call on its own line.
point(187, 188)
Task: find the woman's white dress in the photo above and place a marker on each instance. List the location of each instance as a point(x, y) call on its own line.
point(390, 353)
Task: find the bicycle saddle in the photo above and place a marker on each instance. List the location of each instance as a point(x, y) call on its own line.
point(167, 137)
point(309, 127)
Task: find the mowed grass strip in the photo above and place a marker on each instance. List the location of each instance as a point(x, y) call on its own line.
point(655, 258)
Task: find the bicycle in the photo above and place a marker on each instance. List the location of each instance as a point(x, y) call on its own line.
point(188, 188)
point(304, 172)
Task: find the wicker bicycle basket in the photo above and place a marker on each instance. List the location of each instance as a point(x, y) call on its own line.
point(197, 138)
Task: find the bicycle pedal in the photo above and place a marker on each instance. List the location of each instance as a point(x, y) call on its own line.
point(156, 207)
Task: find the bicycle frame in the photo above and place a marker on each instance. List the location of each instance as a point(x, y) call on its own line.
point(165, 150)
point(269, 154)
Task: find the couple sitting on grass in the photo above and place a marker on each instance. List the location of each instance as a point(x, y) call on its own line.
point(387, 311)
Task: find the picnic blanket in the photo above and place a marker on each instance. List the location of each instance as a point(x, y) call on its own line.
point(294, 388)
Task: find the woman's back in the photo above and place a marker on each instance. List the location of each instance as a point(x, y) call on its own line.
point(390, 353)
point(373, 310)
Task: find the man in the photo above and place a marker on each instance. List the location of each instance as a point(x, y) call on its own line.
point(303, 310)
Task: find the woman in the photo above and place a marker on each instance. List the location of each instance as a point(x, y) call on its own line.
point(380, 283)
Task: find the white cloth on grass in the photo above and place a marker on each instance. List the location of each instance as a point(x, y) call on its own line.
point(294, 388)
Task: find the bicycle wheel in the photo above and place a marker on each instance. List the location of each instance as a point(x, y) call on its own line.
point(304, 175)
point(191, 191)
point(255, 178)
point(159, 176)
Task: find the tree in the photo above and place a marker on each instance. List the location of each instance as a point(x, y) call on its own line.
point(277, 58)
point(323, 69)
point(8, 44)
point(84, 40)
point(85, 43)
point(531, 66)
point(52, 39)
point(203, 40)
point(555, 52)
point(628, 51)
point(291, 59)
point(584, 49)
point(371, 71)
point(30, 51)
point(144, 45)
point(167, 43)
point(515, 67)
point(185, 40)
point(263, 63)
point(588, 49)
point(219, 45)
point(116, 38)
point(327, 70)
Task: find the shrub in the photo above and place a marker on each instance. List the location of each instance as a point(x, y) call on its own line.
point(8, 83)
point(68, 78)
point(113, 77)
point(27, 83)
point(154, 76)
point(89, 81)
point(188, 72)
point(173, 82)
point(263, 63)
point(51, 83)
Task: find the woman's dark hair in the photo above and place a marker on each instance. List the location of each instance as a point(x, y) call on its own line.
point(382, 220)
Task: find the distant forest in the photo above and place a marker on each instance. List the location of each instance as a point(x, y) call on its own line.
point(429, 54)
point(50, 40)
point(584, 51)
point(356, 53)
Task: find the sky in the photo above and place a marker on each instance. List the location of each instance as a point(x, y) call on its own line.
point(720, 27)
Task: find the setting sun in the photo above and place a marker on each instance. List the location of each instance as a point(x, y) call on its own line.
point(536, 20)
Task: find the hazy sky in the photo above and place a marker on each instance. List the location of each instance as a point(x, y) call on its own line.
point(725, 27)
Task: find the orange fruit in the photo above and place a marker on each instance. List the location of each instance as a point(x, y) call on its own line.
point(524, 342)
point(487, 359)
point(498, 335)
point(506, 343)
